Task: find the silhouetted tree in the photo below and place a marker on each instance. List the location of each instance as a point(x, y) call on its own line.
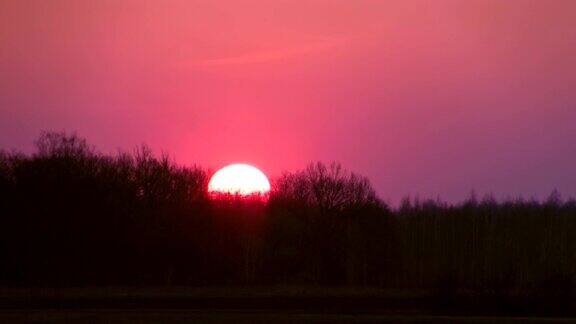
point(70, 215)
point(330, 212)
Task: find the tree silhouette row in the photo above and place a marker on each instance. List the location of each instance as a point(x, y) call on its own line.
point(71, 216)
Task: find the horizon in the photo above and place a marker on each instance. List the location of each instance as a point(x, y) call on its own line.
point(415, 200)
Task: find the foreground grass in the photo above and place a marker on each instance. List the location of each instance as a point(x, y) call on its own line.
point(207, 292)
point(281, 304)
point(179, 316)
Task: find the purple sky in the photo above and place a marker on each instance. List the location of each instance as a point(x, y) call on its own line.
point(435, 98)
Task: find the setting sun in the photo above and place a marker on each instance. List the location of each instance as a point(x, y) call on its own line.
point(241, 179)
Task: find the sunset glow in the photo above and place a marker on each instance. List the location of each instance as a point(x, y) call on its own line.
point(426, 98)
point(241, 179)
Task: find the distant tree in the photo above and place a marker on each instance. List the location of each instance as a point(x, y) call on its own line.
point(62, 144)
point(329, 189)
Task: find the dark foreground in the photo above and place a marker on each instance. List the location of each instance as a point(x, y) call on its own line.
point(263, 305)
point(206, 316)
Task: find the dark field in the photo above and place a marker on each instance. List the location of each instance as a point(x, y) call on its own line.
point(250, 305)
point(193, 316)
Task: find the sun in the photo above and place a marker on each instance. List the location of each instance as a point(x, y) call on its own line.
point(239, 179)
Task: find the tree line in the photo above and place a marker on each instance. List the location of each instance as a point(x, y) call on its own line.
point(71, 216)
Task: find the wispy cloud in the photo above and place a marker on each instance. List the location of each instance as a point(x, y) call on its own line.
point(264, 56)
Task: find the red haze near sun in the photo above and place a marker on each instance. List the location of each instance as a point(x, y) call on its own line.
point(422, 97)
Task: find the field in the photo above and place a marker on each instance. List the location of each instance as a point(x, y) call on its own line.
point(197, 316)
point(241, 305)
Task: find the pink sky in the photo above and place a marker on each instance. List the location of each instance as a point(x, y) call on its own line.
point(434, 97)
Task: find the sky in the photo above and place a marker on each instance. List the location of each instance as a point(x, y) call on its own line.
point(431, 98)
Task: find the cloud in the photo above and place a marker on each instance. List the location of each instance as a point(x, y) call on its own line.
point(264, 56)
